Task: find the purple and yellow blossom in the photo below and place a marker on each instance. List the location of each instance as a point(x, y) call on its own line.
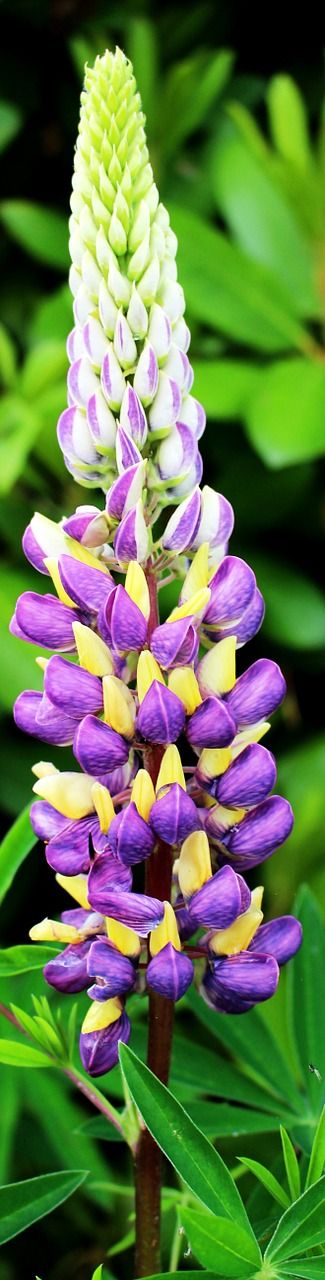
point(124, 690)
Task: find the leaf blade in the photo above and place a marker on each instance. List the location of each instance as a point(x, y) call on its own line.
point(22, 1203)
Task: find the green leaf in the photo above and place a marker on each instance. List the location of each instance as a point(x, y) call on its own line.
point(267, 1179)
point(301, 1227)
point(225, 386)
point(220, 1244)
point(260, 218)
point(42, 232)
point(288, 121)
point(218, 1120)
point(229, 292)
point(191, 88)
point(97, 1127)
point(251, 1041)
point(22, 1203)
point(301, 774)
point(205, 1071)
point(291, 1165)
point(56, 1113)
point(52, 317)
point(23, 959)
point(317, 1158)
point(18, 668)
point(306, 997)
point(295, 606)
point(192, 1155)
point(19, 428)
point(285, 413)
point(17, 1054)
point(15, 846)
point(190, 1275)
point(46, 363)
point(308, 1268)
point(10, 123)
point(7, 359)
point(143, 52)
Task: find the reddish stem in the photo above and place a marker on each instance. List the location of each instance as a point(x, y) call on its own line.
point(148, 1160)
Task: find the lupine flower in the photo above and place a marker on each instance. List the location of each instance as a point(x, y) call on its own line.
point(121, 688)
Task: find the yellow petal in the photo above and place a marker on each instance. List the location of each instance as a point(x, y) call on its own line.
point(101, 1013)
point(226, 818)
point(54, 931)
point(137, 587)
point(194, 863)
point(44, 768)
point(70, 793)
point(94, 655)
point(216, 672)
point(229, 942)
point(119, 706)
point(147, 671)
point(124, 939)
point(143, 794)
point(198, 573)
point(253, 733)
point(103, 804)
point(42, 662)
point(77, 887)
point(55, 542)
point(214, 761)
point(52, 564)
point(194, 605)
point(170, 770)
point(257, 897)
point(165, 932)
point(183, 682)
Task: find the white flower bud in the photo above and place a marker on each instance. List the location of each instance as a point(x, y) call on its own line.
point(137, 315)
point(124, 344)
point(145, 380)
point(107, 310)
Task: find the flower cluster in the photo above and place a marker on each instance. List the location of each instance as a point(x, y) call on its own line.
point(172, 803)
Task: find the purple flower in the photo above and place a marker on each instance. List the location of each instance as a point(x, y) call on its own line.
point(174, 815)
point(115, 974)
point(170, 973)
point(161, 716)
point(99, 1049)
point(130, 837)
point(68, 971)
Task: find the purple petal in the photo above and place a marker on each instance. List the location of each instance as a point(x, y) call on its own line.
point(252, 978)
point(125, 622)
point(174, 815)
point(132, 417)
point(136, 910)
point(250, 622)
point(107, 880)
point(161, 716)
point(46, 821)
point(68, 972)
point(182, 527)
point(127, 452)
point(170, 973)
point(99, 1049)
point(33, 551)
point(118, 972)
point(174, 643)
point(98, 748)
point(46, 621)
point(232, 588)
point(216, 519)
point(211, 724)
point(78, 524)
point(51, 726)
point(71, 688)
point(125, 541)
point(68, 851)
point(125, 491)
point(248, 780)
point(280, 938)
point(257, 693)
point(218, 903)
point(87, 586)
point(260, 832)
point(130, 836)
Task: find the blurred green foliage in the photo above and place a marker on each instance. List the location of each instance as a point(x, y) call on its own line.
point(238, 146)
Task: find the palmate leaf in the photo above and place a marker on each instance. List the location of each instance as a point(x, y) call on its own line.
point(18, 1054)
point(22, 1203)
point(42, 232)
point(291, 1165)
point(301, 1227)
point(24, 959)
point(221, 1244)
point(284, 412)
point(317, 1158)
point(192, 1155)
point(295, 606)
point(219, 1120)
point(307, 1268)
point(267, 1179)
